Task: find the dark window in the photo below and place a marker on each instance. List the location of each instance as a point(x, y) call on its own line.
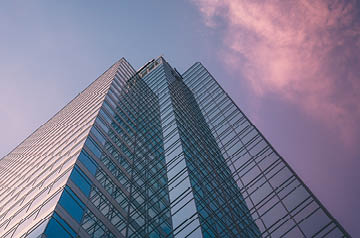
point(58, 228)
point(72, 204)
point(92, 146)
point(81, 180)
point(88, 162)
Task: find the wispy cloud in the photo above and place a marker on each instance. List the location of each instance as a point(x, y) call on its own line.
point(305, 51)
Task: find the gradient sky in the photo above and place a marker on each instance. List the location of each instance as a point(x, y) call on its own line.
point(292, 67)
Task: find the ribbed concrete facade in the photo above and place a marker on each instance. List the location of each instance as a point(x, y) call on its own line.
point(33, 175)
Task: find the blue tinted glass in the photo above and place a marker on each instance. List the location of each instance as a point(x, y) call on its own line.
point(98, 135)
point(107, 118)
point(58, 228)
point(108, 108)
point(89, 163)
point(91, 145)
point(102, 125)
point(80, 179)
point(71, 203)
point(166, 228)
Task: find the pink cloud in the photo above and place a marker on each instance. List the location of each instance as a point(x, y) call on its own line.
point(307, 52)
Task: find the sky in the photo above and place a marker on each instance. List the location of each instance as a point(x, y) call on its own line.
point(292, 67)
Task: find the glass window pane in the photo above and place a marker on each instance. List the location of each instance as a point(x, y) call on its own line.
point(89, 163)
point(57, 228)
point(80, 179)
point(72, 204)
point(91, 145)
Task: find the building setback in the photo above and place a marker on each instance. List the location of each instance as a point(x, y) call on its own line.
point(154, 153)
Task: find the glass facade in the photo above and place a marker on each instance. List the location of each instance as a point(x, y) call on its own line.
point(153, 153)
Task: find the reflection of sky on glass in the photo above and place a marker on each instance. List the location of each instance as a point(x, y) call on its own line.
point(292, 68)
point(183, 213)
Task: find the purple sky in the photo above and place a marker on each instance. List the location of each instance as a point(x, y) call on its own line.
point(293, 68)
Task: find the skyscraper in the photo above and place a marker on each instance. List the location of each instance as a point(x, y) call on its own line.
point(153, 153)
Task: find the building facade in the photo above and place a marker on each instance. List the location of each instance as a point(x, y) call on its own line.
point(154, 153)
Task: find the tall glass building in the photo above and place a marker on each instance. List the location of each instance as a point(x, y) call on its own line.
point(154, 153)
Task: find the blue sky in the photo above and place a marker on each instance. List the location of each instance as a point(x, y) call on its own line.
point(50, 51)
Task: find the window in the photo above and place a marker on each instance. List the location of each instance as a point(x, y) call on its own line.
point(58, 228)
point(72, 204)
point(92, 146)
point(81, 180)
point(85, 159)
